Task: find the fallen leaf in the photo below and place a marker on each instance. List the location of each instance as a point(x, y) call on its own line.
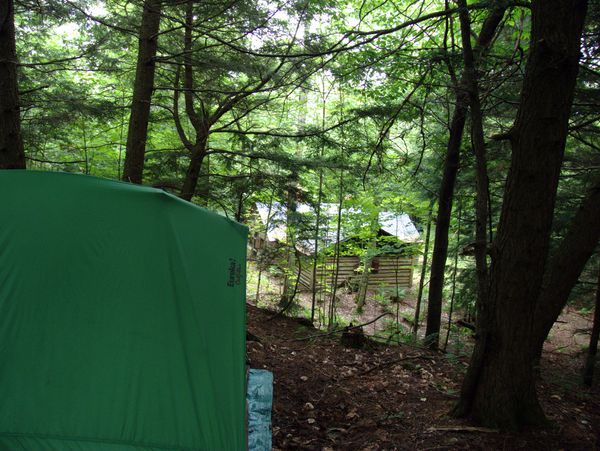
point(352, 414)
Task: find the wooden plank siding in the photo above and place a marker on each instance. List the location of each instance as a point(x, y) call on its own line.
point(388, 271)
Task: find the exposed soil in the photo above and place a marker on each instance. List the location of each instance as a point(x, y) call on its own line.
point(570, 334)
point(327, 397)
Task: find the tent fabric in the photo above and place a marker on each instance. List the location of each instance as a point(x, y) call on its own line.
point(122, 318)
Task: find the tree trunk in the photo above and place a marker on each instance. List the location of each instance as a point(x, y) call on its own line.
point(203, 187)
point(193, 170)
point(590, 362)
point(142, 92)
point(337, 251)
point(499, 388)
point(292, 194)
point(568, 261)
point(481, 175)
point(291, 234)
point(262, 248)
point(316, 239)
point(454, 274)
point(482, 183)
point(363, 286)
point(415, 329)
point(318, 214)
point(442, 225)
point(12, 154)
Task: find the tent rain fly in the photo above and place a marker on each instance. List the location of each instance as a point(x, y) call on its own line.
point(122, 318)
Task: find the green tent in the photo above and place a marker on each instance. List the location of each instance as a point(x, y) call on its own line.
point(122, 318)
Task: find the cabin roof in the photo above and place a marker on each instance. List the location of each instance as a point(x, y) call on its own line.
point(395, 224)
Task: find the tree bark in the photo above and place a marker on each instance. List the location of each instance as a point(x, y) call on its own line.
point(363, 286)
point(205, 117)
point(482, 183)
point(337, 249)
point(478, 143)
point(499, 388)
point(291, 220)
point(451, 162)
point(199, 120)
point(415, 328)
point(454, 273)
point(590, 361)
point(12, 154)
point(203, 187)
point(316, 236)
point(142, 92)
point(568, 261)
point(193, 171)
point(292, 200)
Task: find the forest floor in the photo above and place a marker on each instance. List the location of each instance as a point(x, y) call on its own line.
point(328, 397)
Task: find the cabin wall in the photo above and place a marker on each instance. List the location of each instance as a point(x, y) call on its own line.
point(388, 271)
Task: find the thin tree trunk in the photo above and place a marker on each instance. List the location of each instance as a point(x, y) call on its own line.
point(454, 272)
point(481, 175)
point(363, 285)
point(203, 187)
point(12, 154)
point(239, 211)
point(336, 254)
point(291, 232)
point(440, 248)
point(142, 92)
point(316, 238)
point(318, 211)
point(291, 219)
point(590, 362)
point(289, 300)
point(85, 150)
point(121, 132)
point(337, 251)
point(267, 224)
point(200, 123)
point(193, 171)
point(499, 388)
point(423, 271)
point(481, 204)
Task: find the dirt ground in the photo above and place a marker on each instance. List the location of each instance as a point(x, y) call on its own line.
point(570, 334)
point(327, 397)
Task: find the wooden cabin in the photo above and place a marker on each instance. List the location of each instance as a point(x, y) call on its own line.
point(387, 271)
point(390, 269)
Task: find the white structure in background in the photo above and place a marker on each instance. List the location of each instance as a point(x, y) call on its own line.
point(394, 224)
point(390, 270)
